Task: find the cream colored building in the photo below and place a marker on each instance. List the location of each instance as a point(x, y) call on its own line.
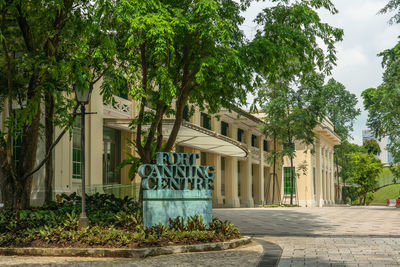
point(232, 143)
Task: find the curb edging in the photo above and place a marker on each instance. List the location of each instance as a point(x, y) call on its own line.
point(122, 252)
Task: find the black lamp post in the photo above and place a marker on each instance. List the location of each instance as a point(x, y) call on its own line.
point(83, 97)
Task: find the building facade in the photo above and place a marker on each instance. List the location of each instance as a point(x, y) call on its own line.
point(231, 141)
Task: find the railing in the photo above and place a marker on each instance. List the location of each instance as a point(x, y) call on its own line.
point(119, 107)
point(255, 152)
point(118, 190)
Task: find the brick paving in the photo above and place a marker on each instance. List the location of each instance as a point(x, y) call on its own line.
point(334, 236)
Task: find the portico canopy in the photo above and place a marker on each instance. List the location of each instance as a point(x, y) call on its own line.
point(191, 135)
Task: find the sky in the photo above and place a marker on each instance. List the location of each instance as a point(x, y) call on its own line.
point(366, 33)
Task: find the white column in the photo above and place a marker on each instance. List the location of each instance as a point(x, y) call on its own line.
point(259, 175)
point(318, 157)
point(332, 177)
point(324, 183)
point(327, 180)
point(94, 139)
point(231, 175)
point(246, 178)
point(231, 183)
point(215, 160)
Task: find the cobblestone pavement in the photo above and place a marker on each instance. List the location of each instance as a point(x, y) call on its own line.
point(344, 236)
point(334, 236)
point(247, 255)
point(337, 251)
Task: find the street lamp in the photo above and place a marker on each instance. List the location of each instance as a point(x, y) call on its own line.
point(82, 95)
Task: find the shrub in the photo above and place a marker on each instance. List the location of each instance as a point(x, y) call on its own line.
point(113, 223)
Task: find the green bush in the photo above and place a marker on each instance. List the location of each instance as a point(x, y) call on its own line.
point(113, 223)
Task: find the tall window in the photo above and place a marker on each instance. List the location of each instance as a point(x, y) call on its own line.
point(253, 140)
point(240, 134)
point(123, 88)
point(288, 181)
point(76, 150)
point(185, 113)
point(265, 146)
point(205, 121)
point(16, 146)
point(111, 156)
point(224, 128)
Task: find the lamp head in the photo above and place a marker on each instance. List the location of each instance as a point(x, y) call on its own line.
point(83, 94)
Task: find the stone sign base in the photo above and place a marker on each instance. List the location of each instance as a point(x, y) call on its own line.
point(161, 205)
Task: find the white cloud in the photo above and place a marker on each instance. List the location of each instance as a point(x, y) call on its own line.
point(366, 33)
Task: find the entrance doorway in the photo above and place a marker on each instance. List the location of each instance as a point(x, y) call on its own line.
point(111, 156)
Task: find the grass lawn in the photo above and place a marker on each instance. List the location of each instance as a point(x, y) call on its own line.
point(386, 177)
point(391, 192)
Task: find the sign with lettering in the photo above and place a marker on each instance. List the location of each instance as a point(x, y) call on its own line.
point(176, 186)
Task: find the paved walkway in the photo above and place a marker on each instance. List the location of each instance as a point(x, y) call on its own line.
point(342, 236)
point(305, 236)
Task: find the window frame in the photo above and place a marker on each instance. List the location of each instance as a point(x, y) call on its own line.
point(287, 190)
point(240, 135)
point(205, 120)
point(224, 127)
point(265, 146)
point(76, 131)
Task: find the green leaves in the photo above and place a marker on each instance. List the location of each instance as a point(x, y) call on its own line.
point(287, 45)
point(383, 102)
point(365, 171)
point(372, 147)
point(340, 107)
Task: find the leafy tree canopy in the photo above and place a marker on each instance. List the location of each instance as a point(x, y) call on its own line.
point(193, 52)
point(383, 102)
point(340, 107)
point(365, 171)
point(372, 147)
point(47, 49)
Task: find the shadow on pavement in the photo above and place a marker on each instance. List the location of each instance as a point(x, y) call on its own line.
point(273, 222)
point(271, 255)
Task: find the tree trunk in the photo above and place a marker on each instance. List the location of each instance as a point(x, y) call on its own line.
point(274, 173)
point(49, 136)
point(27, 161)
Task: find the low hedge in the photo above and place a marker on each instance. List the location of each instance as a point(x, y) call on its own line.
point(114, 222)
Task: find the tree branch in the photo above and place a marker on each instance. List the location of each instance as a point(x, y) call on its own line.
point(155, 125)
point(160, 136)
point(25, 29)
point(9, 82)
point(139, 146)
point(58, 25)
point(376, 189)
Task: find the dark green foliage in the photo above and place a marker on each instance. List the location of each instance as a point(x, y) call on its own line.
point(114, 222)
point(372, 147)
point(340, 107)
